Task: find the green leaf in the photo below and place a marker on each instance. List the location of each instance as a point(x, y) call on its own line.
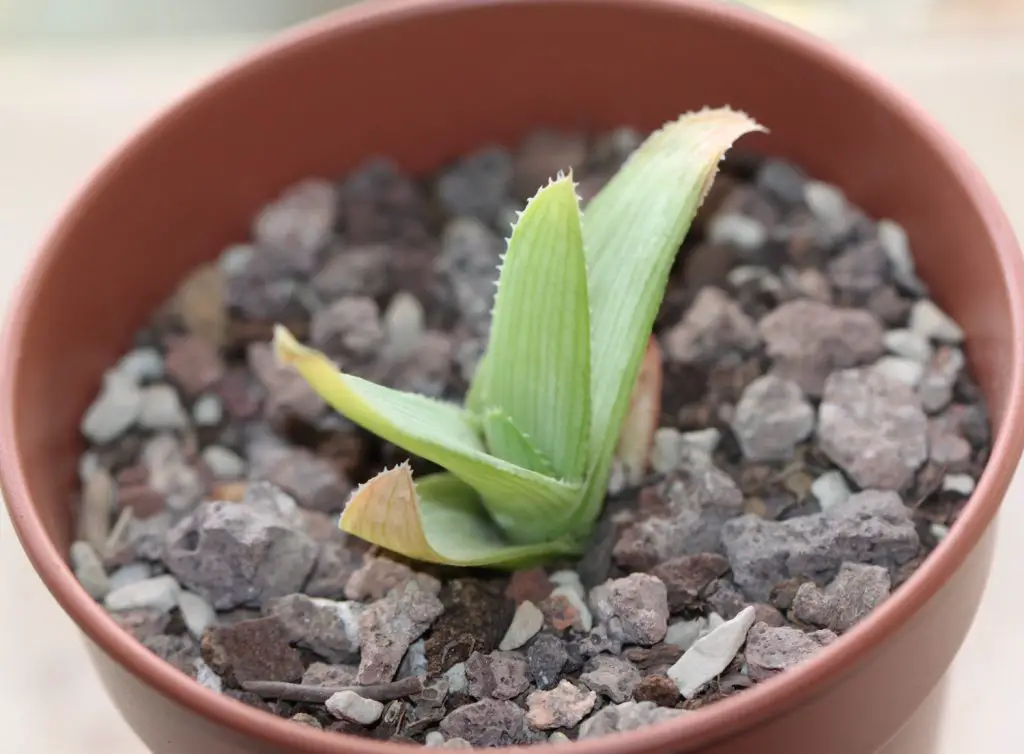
point(506, 441)
point(476, 396)
point(438, 519)
point(538, 369)
point(529, 506)
point(632, 231)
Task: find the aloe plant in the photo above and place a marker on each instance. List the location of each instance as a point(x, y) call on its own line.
point(528, 455)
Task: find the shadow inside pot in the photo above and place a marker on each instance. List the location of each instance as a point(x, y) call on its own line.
point(921, 733)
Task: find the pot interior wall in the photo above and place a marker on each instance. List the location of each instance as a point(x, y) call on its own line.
point(423, 93)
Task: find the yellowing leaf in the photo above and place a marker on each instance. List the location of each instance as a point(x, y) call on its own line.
point(538, 356)
point(529, 506)
point(436, 520)
point(637, 437)
point(632, 231)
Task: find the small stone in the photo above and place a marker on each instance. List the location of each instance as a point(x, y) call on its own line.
point(808, 340)
point(960, 484)
point(526, 623)
point(225, 464)
point(711, 654)
point(619, 718)
point(771, 650)
point(771, 418)
point(873, 428)
point(193, 363)
point(860, 268)
point(489, 723)
point(671, 446)
point(929, 321)
point(141, 365)
point(738, 231)
point(322, 674)
point(389, 626)
point(197, 613)
point(725, 599)
point(558, 738)
point(356, 271)
point(157, 593)
point(129, 574)
point(635, 608)
point(339, 556)
point(89, 570)
point(288, 393)
point(180, 652)
point(611, 676)
point(713, 328)
point(856, 590)
point(114, 411)
point(236, 554)
point(687, 577)
point(908, 344)
point(769, 615)
point(456, 743)
point(939, 378)
point(831, 489)
point(894, 241)
point(565, 608)
point(828, 204)
point(659, 689)
point(206, 676)
point(142, 624)
point(162, 409)
point(414, 664)
point(562, 707)
point(208, 411)
point(434, 739)
point(899, 369)
point(299, 222)
point(547, 657)
point(381, 575)
point(946, 449)
point(252, 650)
point(456, 678)
point(501, 675)
point(326, 628)
point(531, 585)
point(348, 330)
point(304, 718)
point(782, 181)
point(403, 322)
point(170, 473)
point(684, 633)
point(870, 527)
point(478, 184)
point(348, 705)
point(98, 495)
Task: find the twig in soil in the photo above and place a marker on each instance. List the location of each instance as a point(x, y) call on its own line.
point(297, 692)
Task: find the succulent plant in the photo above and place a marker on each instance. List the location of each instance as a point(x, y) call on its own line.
point(555, 397)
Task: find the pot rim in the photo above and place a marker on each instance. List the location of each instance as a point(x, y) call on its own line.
point(708, 724)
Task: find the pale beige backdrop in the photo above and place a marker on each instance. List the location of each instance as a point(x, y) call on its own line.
point(62, 109)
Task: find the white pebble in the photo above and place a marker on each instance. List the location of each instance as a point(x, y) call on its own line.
point(141, 365)
point(826, 202)
point(225, 464)
point(208, 410)
point(456, 743)
point(684, 633)
point(714, 621)
point(909, 345)
point(670, 445)
point(703, 439)
point(403, 323)
point(89, 571)
point(830, 489)
point(526, 623)
point(456, 677)
point(907, 371)
point(962, 484)
point(162, 409)
point(927, 319)
point(115, 409)
point(196, 612)
point(348, 705)
point(711, 654)
point(206, 676)
point(896, 245)
point(130, 574)
point(159, 593)
point(742, 232)
point(558, 738)
point(570, 579)
point(434, 739)
point(234, 259)
point(88, 464)
point(939, 531)
point(748, 273)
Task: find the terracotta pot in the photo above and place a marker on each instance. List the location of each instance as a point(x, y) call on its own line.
point(424, 81)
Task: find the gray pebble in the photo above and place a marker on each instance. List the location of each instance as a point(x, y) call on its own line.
point(855, 591)
point(561, 707)
point(928, 320)
point(894, 241)
point(739, 231)
point(348, 705)
point(909, 344)
point(389, 626)
point(713, 327)
point(939, 379)
point(828, 204)
point(162, 409)
point(456, 677)
point(415, 661)
point(207, 677)
point(619, 718)
point(159, 593)
point(670, 446)
point(613, 677)
point(170, 474)
point(684, 633)
point(98, 495)
point(141, 365)
point(830, 489)
point(489, 723)
point(772, 417)
point(771, 650)
point(468, 262)
point(208, 410)
point(299, 221)
point(196, 612)
point(634, 608)
point(225, 464)
point(116, 408)
point(89, 571)
point(711, 654)
point(477, 185)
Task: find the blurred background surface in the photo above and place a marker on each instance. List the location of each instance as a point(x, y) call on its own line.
point(77, 76)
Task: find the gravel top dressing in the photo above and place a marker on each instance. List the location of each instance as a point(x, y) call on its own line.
point(819, 434)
